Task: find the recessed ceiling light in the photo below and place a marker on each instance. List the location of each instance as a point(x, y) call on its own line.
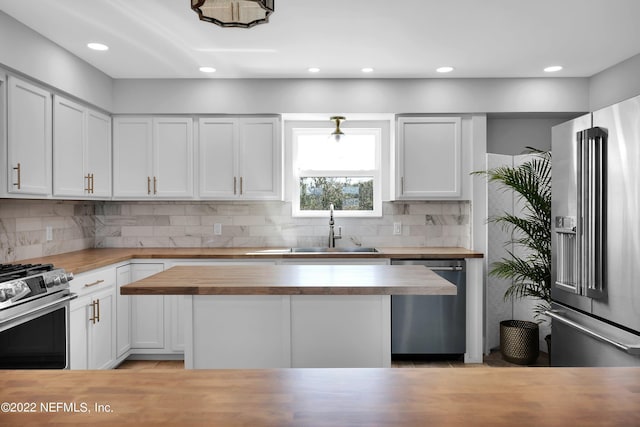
point(553, 69)
point(367, 70)
point(97, 46)
point(314, 70)
point(446, 69)
point(207, 69)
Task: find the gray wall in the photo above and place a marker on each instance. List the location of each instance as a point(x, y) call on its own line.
point(24, 51)
point(615, 84)
point(255, 96)
point(511, 136)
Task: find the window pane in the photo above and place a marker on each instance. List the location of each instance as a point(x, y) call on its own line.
point(348, 193)
point(353, 152)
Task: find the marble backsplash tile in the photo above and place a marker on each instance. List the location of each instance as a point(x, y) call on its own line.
point(80, 225)
point(180, 224)
point(23, 225)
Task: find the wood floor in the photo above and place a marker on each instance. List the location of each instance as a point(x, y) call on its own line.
point(493, 360)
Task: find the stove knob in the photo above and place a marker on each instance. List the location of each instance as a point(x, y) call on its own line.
point(69, 276)
point(63, 278)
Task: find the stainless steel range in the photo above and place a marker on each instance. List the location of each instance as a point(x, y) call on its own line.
point(34, 316)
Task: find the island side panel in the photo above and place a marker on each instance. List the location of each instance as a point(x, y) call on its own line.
point(334, 331)
point(239, 331)
point(475, 313)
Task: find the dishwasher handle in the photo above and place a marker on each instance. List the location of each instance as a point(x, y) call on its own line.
point(456, 268)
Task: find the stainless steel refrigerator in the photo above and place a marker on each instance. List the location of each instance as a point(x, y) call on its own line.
point(596, 238)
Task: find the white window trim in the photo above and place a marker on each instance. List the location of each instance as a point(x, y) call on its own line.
point(376, 173)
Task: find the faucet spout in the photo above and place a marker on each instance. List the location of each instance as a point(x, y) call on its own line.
point(332, 234)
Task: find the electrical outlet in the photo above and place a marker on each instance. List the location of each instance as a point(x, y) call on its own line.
point(397, 228)
point(49, 233)
point(217, 229)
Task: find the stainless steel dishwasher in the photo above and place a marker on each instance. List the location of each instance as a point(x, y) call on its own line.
point(431, 324)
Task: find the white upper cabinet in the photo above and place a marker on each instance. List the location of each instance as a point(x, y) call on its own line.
point(28, 139)
point(240, 158)
point(217, 157)
point(98, 153)
point(153, 157)
point(132, 151)
point(81, 151)
point(173, 157)
point(429, 158)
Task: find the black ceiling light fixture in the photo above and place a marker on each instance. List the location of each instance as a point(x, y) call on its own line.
point(238, 13)
point(337, 133)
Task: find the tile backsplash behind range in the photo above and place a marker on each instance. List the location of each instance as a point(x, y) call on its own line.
point(251, 224)
point(79, 225)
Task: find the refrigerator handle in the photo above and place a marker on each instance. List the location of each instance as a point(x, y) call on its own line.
point(591, 212)
point(582, 213)
point(633, 349)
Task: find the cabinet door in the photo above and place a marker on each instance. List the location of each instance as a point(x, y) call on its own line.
point(29, 139)
point(102, 343)
point(217, 158)
point(132, 157)
point(68, 149)
point(176, 320)
point(123, 312)
point(429, 157)
point(78, 333)
point(259, 159)
point(147, 311)
point(98, 153)
point(173, 157)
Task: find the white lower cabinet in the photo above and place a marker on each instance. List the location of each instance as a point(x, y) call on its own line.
point(123, 312)
point(147, 312)
point(93, 320)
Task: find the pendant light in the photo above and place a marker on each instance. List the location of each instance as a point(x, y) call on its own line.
point(238, 13)
point(337, 133)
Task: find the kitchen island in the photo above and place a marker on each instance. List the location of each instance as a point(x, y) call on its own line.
point(276, 316)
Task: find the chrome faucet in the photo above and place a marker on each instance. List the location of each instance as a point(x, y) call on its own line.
point(332, 235)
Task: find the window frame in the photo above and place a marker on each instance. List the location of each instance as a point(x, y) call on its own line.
point(376, 173)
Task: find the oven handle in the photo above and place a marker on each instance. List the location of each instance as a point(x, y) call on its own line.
point(42, 307)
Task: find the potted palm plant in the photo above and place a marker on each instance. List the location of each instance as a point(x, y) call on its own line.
point(528, 266)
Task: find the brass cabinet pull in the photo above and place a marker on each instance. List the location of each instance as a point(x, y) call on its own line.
point(234, 185)
point(402, 185)
point(98, 310)
point(92, 184)
point(88, 188)
point(148, 185)
point(97, 282)
point(93, 317)
point(240, 185)
point(17, 169)
point(155, 185)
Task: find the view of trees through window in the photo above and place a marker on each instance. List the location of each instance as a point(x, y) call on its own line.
point(348, 193)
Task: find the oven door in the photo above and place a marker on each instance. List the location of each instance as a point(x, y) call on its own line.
point(36, 337)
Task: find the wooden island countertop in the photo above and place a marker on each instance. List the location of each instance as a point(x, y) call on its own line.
point(482, 396)
point(293, 280)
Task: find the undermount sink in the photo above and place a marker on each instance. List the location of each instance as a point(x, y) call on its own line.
point(326, 249)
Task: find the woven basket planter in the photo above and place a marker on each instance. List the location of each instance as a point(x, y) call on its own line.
point(519, 341)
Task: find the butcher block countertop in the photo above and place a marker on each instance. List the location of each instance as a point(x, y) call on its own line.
point(90, 259)
point(293, 280)
point(479, 396)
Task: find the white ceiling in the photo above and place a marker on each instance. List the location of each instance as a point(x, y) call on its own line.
point(398, 38)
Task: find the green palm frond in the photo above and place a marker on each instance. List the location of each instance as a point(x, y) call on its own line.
point(530, 272)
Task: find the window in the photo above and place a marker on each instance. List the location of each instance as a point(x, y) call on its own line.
point(345, 173)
